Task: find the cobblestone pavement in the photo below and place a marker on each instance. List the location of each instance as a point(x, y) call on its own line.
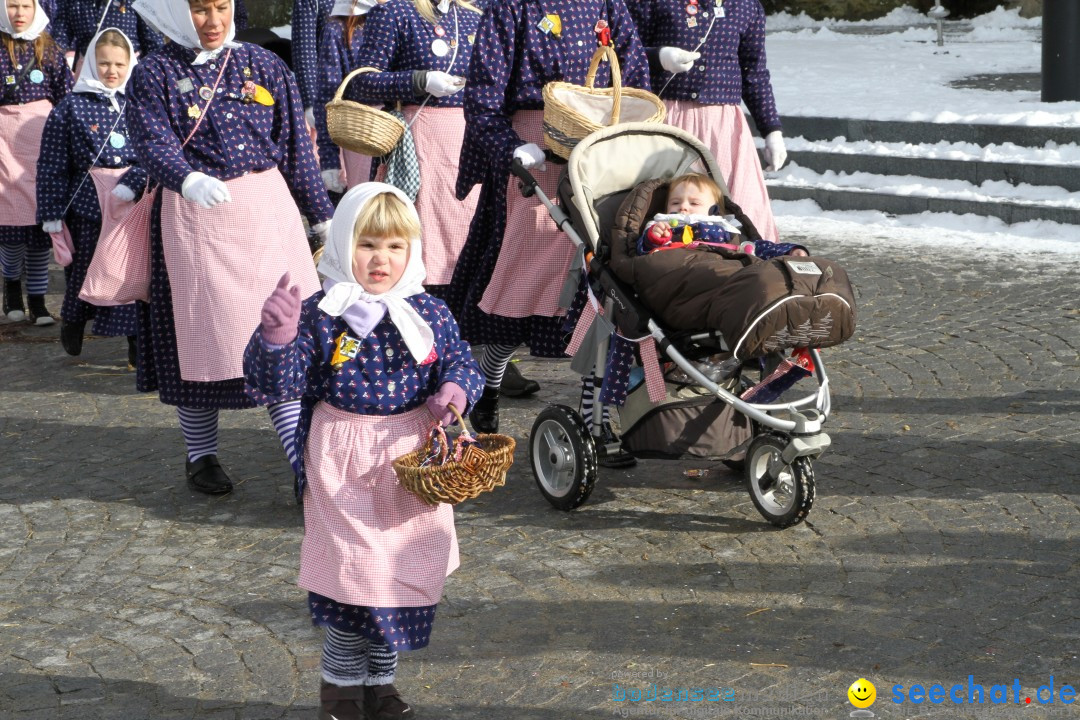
point(943, 542)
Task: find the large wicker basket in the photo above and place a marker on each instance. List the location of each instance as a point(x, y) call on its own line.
point(573, 111)
point(451, 482)
point(359, 127)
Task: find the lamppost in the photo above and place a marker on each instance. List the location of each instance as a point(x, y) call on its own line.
point(1061, 50)
point(939, 13)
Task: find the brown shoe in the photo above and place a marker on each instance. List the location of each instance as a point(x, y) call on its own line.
point(338, 702)
point(383, 702)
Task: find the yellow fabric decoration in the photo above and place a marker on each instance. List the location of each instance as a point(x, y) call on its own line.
point(263, 96)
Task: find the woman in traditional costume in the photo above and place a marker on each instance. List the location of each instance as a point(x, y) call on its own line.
point(220, 125)
point(706, 60)
point(506, 288)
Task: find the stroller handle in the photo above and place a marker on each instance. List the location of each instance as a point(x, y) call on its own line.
point(528, 182)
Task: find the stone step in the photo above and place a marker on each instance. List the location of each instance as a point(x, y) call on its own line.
point(975, 172)
point(859, 199)
point(852, 129)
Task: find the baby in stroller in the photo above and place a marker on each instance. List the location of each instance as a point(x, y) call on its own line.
point(695, 218)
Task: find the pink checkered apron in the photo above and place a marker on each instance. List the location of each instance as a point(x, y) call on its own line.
point(113, 209)
point(367, 540)
point(438, 134)
point(20, 140)
point(724, 131)
point(535, 254)
point(357, 168)
point(224, 262)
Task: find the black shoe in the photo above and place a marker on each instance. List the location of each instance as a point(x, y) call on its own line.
point(617, 458)
point(207, 476)
point(485, 413)
point(38, 314)
point(71, 336)
point(13, 302)
point(337, 702)
point(383, 702)
point(515, 385)
point(133, 352)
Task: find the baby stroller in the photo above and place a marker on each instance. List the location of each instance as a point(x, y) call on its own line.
point(774, 442)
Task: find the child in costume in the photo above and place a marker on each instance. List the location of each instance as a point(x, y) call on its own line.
point(376, 361)
point(83, 168)
point(33, 79)
point(695, 219)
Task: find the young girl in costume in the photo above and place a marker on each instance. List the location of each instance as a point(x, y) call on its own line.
point(377, 362)
point(707, 59)
point(84, 167)
point(423, 49)
point(338, 54)
point(33, 78)
point(219, 124)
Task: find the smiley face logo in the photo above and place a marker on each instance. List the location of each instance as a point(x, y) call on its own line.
point(862, 693)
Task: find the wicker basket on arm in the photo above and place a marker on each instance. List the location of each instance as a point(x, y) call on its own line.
point(361, 128)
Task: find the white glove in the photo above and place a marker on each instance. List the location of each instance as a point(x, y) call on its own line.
point(332, 180)
point(52, 226)
point(309, 115)
point(204, 190)
point(123, 193)
point(321, 231)
point(441, 84)
point(531, 156)
point(677, 60)
point(775, 152)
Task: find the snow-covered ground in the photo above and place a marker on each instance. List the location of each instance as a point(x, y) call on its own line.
point(893, 69)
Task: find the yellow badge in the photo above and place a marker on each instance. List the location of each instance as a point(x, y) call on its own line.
point(194, 111)
point(346, 349)
point(263, 96)
point(247, 72)
point(552, 24)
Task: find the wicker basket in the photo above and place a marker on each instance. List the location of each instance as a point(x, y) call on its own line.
point(571, 111)
point(359, 127)
point(451, 482)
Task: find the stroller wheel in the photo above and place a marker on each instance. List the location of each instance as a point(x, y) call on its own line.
point(782, 493)
point(563, 457)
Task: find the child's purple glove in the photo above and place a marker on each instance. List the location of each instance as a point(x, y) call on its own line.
point(439, 404)
point(281, 313)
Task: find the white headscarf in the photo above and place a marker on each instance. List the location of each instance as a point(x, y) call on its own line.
point(345, 297)
point(345, 8)
point(172, 18)
point(89, 82)
point(37, 25)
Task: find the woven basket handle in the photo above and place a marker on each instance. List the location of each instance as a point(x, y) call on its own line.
point(350, 76)
point(616, 77)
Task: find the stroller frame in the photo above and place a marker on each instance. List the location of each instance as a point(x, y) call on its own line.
point(786, 436)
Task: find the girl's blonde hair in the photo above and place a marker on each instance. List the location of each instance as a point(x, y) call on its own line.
point(386, 216)
point(702, 182)
point(427, 9)
point(114, 38)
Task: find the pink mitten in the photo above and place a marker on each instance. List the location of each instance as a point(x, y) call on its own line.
point(281, 313)
point(439, 404)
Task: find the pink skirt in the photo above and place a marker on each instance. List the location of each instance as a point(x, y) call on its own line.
point(367, 540)
point(535, 254)
point(724, 131)
point(224, 262)
point(20, 142)
point(438, 134)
